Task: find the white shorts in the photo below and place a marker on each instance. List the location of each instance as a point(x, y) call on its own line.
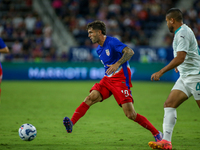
point(190, 85)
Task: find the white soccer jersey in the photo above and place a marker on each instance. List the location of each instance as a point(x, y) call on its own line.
point(184, 40)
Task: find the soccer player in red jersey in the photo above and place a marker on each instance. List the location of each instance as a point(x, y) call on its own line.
point(117, 79)
point(3, 49)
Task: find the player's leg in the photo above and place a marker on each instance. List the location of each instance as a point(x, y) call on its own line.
point(97, 93)
point(93, 98)
point(182, 90)
point(123, 96)
point(198, 103)
point(129, 111)
point(175, 98)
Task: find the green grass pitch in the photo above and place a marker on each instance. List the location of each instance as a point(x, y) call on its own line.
point(104, 127)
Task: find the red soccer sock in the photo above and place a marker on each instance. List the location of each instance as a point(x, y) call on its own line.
point(79, 112)
point(146, 124)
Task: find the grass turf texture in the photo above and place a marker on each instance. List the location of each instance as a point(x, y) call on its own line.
point(104, 127)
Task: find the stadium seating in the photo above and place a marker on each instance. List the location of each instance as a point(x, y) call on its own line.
point(24, 32)
point(123, 18)
point(133, 22)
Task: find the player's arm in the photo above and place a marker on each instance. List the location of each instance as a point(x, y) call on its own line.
point(179, 59)
point(127, 54)
point(4, 50)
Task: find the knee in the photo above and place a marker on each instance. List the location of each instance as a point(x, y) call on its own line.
point(167, 104)
point(90, 100)
point(131, 116)
point(170, 104)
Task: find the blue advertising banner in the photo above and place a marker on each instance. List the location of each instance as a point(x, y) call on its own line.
point(77, 71)
point(142, 54)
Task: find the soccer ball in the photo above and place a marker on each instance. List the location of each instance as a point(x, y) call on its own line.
point(27, 132)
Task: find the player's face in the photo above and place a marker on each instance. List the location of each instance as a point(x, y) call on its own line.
point(93, 35)
point(169, 24)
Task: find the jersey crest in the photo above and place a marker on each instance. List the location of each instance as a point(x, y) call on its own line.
point(107, 52)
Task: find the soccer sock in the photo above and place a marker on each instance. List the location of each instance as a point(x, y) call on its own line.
point(79, 112)
point(169, 122)
point(146, 124)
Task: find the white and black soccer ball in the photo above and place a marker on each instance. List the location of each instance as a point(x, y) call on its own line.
point(27, 132)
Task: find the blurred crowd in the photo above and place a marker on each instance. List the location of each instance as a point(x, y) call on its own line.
point(23, 31)
point(133, 22)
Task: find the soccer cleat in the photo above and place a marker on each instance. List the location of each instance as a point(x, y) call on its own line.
point(158, 137)
point(163, 144)
point(68, 124)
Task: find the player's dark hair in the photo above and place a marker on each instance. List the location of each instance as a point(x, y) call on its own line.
point(97, 25)
point(175, 13)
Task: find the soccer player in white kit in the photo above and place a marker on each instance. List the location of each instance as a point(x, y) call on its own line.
point(187, 62)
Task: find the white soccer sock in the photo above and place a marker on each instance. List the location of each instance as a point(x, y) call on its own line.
point(169, 122)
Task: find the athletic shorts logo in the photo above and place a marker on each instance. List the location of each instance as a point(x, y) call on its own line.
point(107, 52)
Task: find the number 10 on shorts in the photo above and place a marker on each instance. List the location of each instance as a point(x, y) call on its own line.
point(125, 92)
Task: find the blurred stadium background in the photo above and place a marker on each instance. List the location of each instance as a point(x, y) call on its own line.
point(48, 38)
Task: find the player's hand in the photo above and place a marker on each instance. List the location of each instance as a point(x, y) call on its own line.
point(156, 76)
point(112, 68)
point(176, 70)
